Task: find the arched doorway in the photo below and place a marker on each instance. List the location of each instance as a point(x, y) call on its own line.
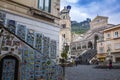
point(96, 37)
point(90, 45)
point(9, 68)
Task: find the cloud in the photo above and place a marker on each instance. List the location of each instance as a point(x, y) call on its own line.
point(82, 10)
point(72, 1)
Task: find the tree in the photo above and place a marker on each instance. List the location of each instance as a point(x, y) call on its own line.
point(65, 52)
point(64, 57)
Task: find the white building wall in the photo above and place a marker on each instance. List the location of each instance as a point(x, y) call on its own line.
point(45, 28)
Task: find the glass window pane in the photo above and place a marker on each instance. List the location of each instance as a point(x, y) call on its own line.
point(41, 2)
point(47, 7)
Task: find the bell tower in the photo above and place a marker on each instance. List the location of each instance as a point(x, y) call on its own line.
point(65, 31)
point(65, 24)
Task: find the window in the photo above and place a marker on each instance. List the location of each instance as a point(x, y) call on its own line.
point(64, 17)
point(98, 20)
point(2, 18)
point(64, 35)
point(63, 25)
point(73, 48)
point(117, 46)
point(101, 50)
point(116, 34)
point(44, 5)
point(79, 47)
point(108, 35)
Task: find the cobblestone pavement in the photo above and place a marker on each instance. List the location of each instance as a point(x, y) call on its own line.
point(87, 72)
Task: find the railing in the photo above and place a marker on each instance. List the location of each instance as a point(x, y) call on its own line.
point(88, 55)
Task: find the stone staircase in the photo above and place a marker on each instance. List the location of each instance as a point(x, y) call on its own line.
point(87, 56)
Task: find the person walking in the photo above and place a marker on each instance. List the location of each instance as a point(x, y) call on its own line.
point(76, 61)
point(110, 64)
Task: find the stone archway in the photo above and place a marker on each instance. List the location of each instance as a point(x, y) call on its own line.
point(9, 68)
point(90, 45)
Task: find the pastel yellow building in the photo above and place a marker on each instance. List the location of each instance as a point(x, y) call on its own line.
point(111, 41)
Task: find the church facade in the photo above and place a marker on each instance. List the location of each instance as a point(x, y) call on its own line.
point(88, 43)
point(65, 31)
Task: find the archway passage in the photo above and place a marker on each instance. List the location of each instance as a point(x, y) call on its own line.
point(9, 68)
point(90, 45)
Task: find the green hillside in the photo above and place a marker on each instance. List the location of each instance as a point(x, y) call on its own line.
point(80, 27)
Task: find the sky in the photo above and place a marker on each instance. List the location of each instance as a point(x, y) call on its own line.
point(82, 9)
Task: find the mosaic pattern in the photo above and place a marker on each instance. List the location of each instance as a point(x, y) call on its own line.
point(27, 64)
point(2, 18)
point(11, 25)
point(53, 48)
point(30, 37)
point(8, 69)
point(46, 46)
point(43, 67)
point(35, 65)
point(51, 74)
point(59, 72)
point(21, 31)
point(38, 42)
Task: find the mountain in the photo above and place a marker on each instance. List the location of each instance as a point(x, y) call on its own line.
point(80, 27)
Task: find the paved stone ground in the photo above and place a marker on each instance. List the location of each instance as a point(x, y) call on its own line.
point(87, 72)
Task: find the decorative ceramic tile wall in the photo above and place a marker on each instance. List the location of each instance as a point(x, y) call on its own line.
point(21, 31)
point(30, 37)
point(2, 18)
point(38, 65)
point(11, 25)
point(39, 41)
point(53, 49)
point(35, 64)
point(27, 64)
point(8, 69)
point(46, 46)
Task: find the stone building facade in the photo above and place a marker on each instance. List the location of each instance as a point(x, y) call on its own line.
point(88, 44)
point(110, 41)
point(29, 40)
point(65, 32)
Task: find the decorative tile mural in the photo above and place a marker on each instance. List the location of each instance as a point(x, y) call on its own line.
point(21, 31)
point(2, 18)
point(30, 37)
point(46, 46)
point(27, 64)
point(38, 41)
point(8, 69)
point(51, 74)
point(38, 66)
point(35, 64)
point(53, 49)
point(11, 25)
